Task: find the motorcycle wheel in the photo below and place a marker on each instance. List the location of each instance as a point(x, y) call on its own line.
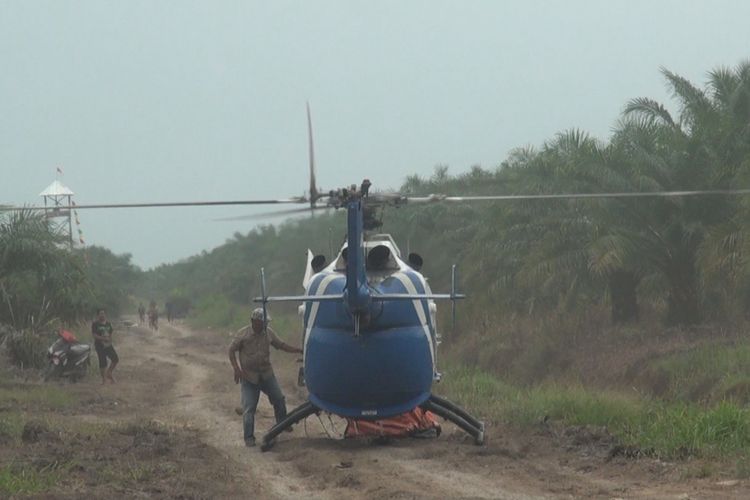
point(80, 372)
point(52, 371)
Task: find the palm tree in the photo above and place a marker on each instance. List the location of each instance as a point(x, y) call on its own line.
point(724, 253)
point(701, 149)
point(39, 278)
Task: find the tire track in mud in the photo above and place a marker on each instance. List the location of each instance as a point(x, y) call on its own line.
point(193, 404)
point(302, 465)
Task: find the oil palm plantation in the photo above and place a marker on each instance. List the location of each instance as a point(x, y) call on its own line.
point(704, 147)
point(653, 245)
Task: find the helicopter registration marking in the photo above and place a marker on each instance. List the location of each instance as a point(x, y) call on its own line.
point(369, 413)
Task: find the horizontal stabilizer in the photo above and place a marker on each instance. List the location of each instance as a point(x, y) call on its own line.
point(417, 296)
point(376, 297)
point(301, 298)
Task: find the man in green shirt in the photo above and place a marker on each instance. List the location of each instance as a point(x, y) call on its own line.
point(255, 372)
point(101, 329)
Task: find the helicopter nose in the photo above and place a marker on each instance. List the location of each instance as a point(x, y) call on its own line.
point(386, 372)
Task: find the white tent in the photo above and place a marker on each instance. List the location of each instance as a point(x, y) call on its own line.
point(57, 188)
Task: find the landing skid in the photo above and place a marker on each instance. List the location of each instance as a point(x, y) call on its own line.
point(454, 413)
point(297, 415)
point(437, 405)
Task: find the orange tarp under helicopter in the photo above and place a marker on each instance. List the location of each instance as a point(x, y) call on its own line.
point(415, 423)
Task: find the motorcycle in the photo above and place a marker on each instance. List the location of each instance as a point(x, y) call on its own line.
point(68, 358)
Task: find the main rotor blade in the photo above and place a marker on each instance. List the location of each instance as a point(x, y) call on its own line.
point(163, 204)
point(313, 185)
point(435, 198)
point(276, 213)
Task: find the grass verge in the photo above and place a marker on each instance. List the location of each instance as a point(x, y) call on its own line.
point(665, 429)
point(708, 373)
point(11, 427)
point(17, 479)
point(44, 396)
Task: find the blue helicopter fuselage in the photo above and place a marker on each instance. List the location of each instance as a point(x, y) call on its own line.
point(385, 365)
point(369, 334)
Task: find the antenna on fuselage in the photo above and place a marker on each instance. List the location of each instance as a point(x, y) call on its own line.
point(263, 293)
point(453, 301)
point(330, 243)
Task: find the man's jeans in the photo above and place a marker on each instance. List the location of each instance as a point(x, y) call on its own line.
point(250, 397)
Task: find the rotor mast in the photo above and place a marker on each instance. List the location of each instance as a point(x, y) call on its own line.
point(357, 294)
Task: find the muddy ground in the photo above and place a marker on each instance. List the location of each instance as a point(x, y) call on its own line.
point(168, 429)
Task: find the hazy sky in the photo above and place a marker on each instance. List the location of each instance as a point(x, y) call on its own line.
point(170, 101)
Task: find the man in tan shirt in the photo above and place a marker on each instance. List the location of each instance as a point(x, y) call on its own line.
point(255, 372)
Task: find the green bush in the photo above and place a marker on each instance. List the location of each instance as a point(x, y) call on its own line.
point(217, 311)
point(28, 349)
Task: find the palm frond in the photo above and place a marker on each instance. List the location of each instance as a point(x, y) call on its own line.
point(649, 110)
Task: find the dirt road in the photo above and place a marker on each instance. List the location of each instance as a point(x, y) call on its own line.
point(183, 378)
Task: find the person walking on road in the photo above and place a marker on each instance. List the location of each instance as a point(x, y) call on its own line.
point(153, 316)
point(254, 371)
point(101, 329)
point(141, 314)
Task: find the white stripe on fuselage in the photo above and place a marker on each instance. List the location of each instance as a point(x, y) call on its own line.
point(411, 289)
point(314, 311)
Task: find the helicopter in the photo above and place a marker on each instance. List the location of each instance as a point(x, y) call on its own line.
point(370, 337)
